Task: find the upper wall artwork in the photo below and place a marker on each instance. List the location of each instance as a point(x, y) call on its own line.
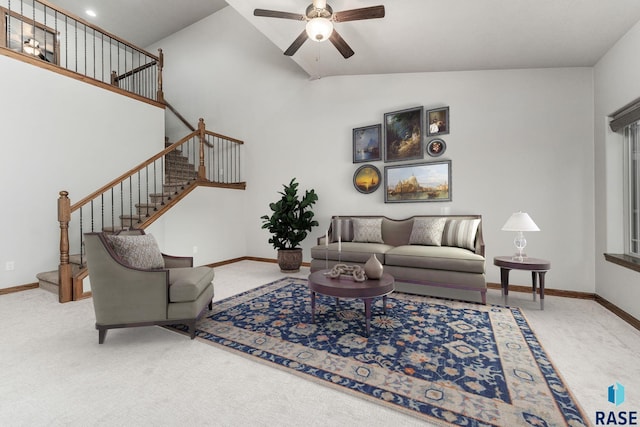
point(404, 132)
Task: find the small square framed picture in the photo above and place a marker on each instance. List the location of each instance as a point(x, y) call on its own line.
point(438, 121)
point(367, 143)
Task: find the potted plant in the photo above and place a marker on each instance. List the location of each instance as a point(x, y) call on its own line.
point(289, 223)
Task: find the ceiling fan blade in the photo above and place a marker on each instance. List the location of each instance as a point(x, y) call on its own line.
point(277, 14)
point(358, 14)
point(291, 50)
point(341, 45)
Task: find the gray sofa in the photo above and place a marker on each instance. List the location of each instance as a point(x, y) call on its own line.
point(424, 253)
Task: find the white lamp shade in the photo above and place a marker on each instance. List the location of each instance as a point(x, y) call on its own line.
point(319, 29)
point(520, 221)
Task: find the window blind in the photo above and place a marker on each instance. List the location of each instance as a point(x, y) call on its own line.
point(626, 115)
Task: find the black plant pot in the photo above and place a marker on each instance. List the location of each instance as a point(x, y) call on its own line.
point(290, 260)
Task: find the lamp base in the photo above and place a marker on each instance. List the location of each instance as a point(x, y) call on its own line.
point(519, 256)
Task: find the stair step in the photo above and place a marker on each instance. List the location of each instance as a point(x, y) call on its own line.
point(75, 261)
point(48, 281)
point(114, 229)
point(189, 168)
point(174, 187)
point(160, 198)
point(176, 157)
point(179, 178)
point(147, 208)
point(176, 160)
point(131, 221)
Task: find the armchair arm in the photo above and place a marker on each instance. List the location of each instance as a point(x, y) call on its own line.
point(123, 294)
point(171, 261)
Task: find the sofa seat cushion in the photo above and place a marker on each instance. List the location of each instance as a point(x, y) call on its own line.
point(186, 284)
point(351, 251)
point(435, 258)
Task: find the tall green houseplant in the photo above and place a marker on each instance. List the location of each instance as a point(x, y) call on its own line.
point(289, 224)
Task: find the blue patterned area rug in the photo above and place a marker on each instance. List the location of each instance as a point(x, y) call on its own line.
point(447, 362)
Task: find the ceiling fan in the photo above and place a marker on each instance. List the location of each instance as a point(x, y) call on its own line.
point(320, 18)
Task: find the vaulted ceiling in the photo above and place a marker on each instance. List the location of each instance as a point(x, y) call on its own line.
point(414, 36)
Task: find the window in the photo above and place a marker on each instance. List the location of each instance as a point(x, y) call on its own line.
point(632, 178)
point(23, 34)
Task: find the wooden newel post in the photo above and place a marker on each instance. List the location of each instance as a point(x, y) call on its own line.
point(65, 291)
point(202, 172)
point(160, 94)
point(114, 79)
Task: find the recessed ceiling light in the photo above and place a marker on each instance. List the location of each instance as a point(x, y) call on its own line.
point(91, 13)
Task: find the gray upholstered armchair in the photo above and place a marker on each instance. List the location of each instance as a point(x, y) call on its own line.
point(133, 284)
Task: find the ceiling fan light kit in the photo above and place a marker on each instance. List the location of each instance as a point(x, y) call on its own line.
point(319, 29)
point(320, 18)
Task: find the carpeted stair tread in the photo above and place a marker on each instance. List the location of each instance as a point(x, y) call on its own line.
point(48, 281)
point(114, 229)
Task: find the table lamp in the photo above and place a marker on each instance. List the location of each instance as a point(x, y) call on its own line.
point(520, 222)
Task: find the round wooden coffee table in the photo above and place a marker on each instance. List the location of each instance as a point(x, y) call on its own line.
point(319, 283)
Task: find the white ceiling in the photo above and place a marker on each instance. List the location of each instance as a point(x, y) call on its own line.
point(142, 22)
point(414, 36)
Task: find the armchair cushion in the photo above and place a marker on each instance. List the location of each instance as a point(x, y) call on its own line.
point(140, 251)
point(186, 284)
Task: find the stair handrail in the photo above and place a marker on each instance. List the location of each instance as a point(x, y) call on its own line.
point(68, 289)
point(179, 116)
point(78, 24)
point(131, 172)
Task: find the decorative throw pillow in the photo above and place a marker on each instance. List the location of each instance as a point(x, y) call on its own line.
point(460, 233)
point(427, 231)
point(138, 251)
point(367, 230)
point(344, 226)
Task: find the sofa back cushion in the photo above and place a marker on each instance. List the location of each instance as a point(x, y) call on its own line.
point(368, 230)
point(427, 231)
point(461, 233)
point(343, 227)
point(396, 233)
point(459, 230)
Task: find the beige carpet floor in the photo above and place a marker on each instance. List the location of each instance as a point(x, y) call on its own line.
point(54, 373)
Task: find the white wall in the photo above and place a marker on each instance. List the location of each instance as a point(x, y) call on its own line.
point(207, 219)
point(59, 134)
point(616, 83)
point(520, 139)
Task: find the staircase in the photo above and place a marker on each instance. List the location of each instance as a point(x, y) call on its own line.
point(179, 175)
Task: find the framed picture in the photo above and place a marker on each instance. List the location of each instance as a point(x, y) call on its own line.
point(367, 143)
point(403, 135)
point(367, 179)
point(438, 121)
point(436, 147)
point(418, 182)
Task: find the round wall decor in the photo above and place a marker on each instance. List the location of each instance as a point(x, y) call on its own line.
point(436, 147)
point(367, 179)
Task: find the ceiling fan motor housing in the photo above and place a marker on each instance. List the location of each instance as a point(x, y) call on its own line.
point(314, 12)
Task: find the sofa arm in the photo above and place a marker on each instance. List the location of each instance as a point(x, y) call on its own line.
point(171, 261)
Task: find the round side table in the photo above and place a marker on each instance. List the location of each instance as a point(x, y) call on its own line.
point(538, 268)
